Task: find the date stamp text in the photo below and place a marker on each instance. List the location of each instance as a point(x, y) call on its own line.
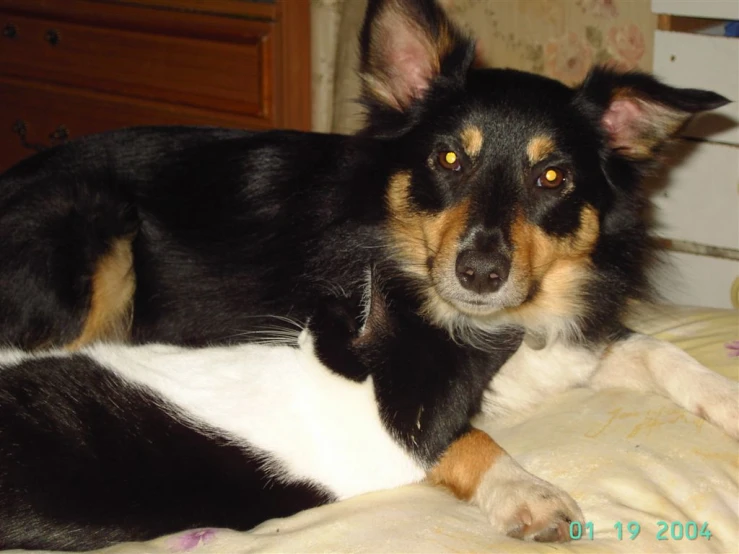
point(630, 530)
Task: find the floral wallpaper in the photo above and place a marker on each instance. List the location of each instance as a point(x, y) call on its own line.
point(558, 38)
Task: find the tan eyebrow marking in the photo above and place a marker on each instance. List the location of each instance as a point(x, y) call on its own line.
point(539, 148)
point(472, 140)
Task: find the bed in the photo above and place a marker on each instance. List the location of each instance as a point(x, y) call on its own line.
point(630, 460)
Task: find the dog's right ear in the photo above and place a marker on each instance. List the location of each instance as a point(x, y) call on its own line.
point(405, 45)
point(638, 113)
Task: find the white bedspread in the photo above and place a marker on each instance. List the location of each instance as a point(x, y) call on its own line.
point(623, 456)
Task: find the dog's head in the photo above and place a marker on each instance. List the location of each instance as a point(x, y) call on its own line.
point(511, 194)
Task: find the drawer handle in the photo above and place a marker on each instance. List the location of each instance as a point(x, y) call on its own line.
point(60, 135)
point(10, 31)
point(21, 129)
point(52, 37)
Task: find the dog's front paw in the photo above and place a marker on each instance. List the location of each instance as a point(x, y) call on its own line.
point(522, 506)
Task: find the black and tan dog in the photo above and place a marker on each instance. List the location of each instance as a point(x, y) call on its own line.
point(477, 206)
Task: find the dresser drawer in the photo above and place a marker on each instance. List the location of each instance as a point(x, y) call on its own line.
point(198, 72)
point(44, 110)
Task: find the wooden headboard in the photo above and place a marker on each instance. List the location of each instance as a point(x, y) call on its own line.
point(74, 67)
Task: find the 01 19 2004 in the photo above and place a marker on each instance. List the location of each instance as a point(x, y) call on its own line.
point(675, 530)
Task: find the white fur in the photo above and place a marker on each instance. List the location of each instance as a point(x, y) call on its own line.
point(315, 424)
point(647, 364)
point(640, 363)
point(11, 356)
point(531, 376)
point(521, 505)
point(366, 302)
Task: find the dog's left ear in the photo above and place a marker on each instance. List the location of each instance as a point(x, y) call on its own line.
point(405, 45)
point(638, 113)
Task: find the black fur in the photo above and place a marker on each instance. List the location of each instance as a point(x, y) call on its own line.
point(233, 225)
point(87, 460)
point(427, 385)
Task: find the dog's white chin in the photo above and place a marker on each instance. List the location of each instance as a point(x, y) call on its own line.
point(485, 306)
point(449, 304)
point(475, 309)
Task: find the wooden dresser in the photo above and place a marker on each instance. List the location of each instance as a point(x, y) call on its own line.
point(74, 67)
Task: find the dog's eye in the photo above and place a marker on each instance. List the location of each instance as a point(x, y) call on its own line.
point(551, 178)
point(450, 160)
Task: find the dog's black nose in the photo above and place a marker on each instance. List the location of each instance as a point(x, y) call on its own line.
point(482, 271)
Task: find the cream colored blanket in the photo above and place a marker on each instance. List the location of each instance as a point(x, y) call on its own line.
point(626, 458)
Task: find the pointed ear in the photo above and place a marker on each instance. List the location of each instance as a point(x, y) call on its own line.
point(638, 113)
point(405, 44)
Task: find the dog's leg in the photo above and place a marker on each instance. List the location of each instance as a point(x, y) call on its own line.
point(646, 364)
point(516, 502)
point(533, 374)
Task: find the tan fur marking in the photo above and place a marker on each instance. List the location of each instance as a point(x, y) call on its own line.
point(405, 232)
point(558, 295)
point(472, 140)
point(444, 231)
point(463, 465)
point(559, 265)
point(539, 149)
point(538, 251)
point(444, 42)
point(545, 249)
point(111, 302)
point(420, 236)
